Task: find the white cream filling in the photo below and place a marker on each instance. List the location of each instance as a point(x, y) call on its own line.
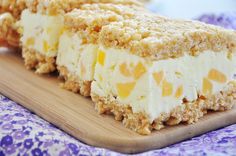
point(161, 85)
point(78, 58)
point(41, 32)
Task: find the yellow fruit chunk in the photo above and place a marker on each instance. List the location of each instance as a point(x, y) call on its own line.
point(217, 76)
point(30, 41)
point(124, 70)
point(167, 88)
point(101, 57)
point(178, 74)
point(54, 47)
point(230, 56)
point(20, 30)
point(158, 77)
point(100, 77)
point(83, 69)
point(62, 31)
point(112, 68)
point(207, 86)
point(45, 46)
point(48, 30)
point(124, 89)
point(179, 92)
point(139, 70)
point(132, 65)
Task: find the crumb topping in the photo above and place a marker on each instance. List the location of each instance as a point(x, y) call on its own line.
point(15, 7)
point(53, 7)
point(90, 18)
point(155, 37)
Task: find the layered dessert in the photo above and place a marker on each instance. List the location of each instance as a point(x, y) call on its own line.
point(78, 44)
point(42, 24)
point(147, 70)
point(152, 71)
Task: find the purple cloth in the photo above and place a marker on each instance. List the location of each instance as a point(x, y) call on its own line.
point(23, 133)
point(226, 20)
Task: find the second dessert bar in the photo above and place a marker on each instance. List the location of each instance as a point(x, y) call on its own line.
point(78, 45)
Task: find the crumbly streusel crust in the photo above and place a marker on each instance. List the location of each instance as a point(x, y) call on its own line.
point(53, 7)
point(127, 11)
point(155, 37)
point(73, 83)
point(90, 18)
point(8, 31)
point(35, 60)
point(15, 7)
point(88, 23)
point(188, 112)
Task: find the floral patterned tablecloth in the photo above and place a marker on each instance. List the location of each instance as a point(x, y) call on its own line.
point(24, 133)
point(227, 20)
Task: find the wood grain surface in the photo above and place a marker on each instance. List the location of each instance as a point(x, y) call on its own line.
point(76, 115)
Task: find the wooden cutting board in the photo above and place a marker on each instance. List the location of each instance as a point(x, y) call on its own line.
point(76, 115)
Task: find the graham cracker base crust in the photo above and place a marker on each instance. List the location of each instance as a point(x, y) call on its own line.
point(188, 112)
point(40, 63)
point(73, 83)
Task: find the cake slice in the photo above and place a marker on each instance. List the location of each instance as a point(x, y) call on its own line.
point(42, 24)
point(152, 71)
point(78, 44)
